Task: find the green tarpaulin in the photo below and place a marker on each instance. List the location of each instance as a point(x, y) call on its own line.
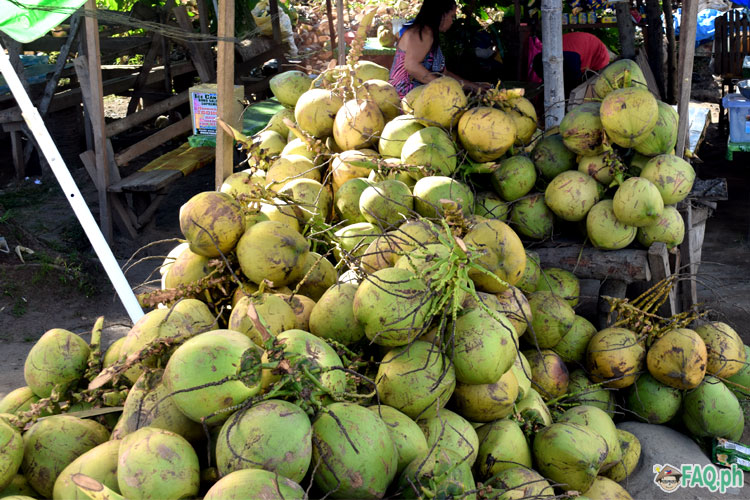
point(27, 20)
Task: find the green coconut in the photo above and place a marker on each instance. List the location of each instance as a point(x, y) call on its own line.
point(346, 200)
point(18, 489)
point(551, 157)
point(516, 482)
point(357, 124)
point(440, 103)
point(198, 314)
point(571, 194)
point(522, 371)
point(319, 275)
point(486, 133)
point(12, 446)
point(407, 102)
point(584, 392)
point(514, 178)
point(628, 115)
point(428, 192)
point(311, 199)
point(355, 238)
point(18, 400)
point(386, 203)
point(502, 446)
point(98, 463)
point(430, 147)
point(631, 453)
point(342, 433)
point(368, 70)
point(57, 360)
point(522, 111)
point(442, 471)
point(384, 95)
point(637, 202)
point(621, 73)
point(663, 138)
point(600, 422)
point(569, 454)
point(421, 260)
point(669, 229)
point(652, 401)
point(276, 314)
point(605, 230)
point(572, 346)
point(598, 166)
point(514, 305)
point(712, 410)
point(408, 437)
point(395, 133)
point(269, 143)
point(316, 110)
point(276, 123)
point(560, 282)
point(186, 268)
point(449, 431)
point(154, 463)
point(272, 251)
point(212, 222)
point(287, 87)
point(52, 444)
point(614, 356)
point(532, 218)
point(302, 307)
point(551, 318)
point(351, 165)
point(500, 252)
point(531, 273)
point(678, 359)
point(416, 379)
point(548, 373)
point(671, 175)
point(532, 408)
point(581, 129)
point(205, 359)
point(740, 381)
point(285, 169)
point(726, 352)
point(487, 402)
point(604, 487)
point(298, 147)
point(490, 206)
point(254, 483)
point(273, 435)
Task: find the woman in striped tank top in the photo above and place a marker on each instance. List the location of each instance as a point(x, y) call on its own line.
point(418, 58)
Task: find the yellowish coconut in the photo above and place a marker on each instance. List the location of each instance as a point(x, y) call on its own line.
point(212, 223)
point(316, 110)
point(343, 170)
point(614, 356)
point(407, 102)
point(440, 103)
point(523, 114)
point(384, 95)
point(678, 359)
point(502, 253)
point(358, 124)
point(272, 251)
point(288, 168)
point(726, 352)
point(486, 133)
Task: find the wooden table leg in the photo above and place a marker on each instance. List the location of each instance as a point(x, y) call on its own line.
point(17, 150)
point(609, 288)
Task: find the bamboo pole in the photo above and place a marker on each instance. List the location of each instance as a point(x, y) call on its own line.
point(552, 63)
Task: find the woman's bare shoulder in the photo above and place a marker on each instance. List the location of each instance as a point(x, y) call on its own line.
point(412, 38)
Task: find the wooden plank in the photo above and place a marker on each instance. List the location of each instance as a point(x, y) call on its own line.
point(125, 218)
point(204, 66)
point(658, 262)
point(96, 115)
point(340, 30)
point(589, 263)
point(273, 11)
point(203, 16)
point(17, 151)
point(150, 211)
point(123, 124)
point(49, 89)
point(146, 182)
point(157, 139)
point(140, 81)
point(109, 46)
point(225, 92)
point(688, 25)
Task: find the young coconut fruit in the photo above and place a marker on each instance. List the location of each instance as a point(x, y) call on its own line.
point(276, 123)
point(442, 472)
point(384, 95)
point(342, 434)
point(726, 352)
point(409, 439)
point(637, 202)
point(19, 400)
point(631, 453)
point(531, 217)
point(712, 410)
point(491, 206)
point(358, 124)
point(523, 114)
point(355, 238)
point(487, 402)
point(502, 254)
point(560, 282)
point(311, 200)
point(52, 444)
point(202, 360)
point(598, 166)
point(581, 129)
point(12, 446)
point(621, 73)
point(614, 356)
point(600, 422)
point(522, 371)
point(514, 305)
point(449, 431)
point(531, 274)
point(551, 157)
point(212, 223)
point(569, 454)
point(269, 143)
point(344, 166)
point(572, 346)
point(276, 314)
point(58, 359)
point(440, 103)
point(663, 138)
point(316, 111)
point(319, 275)
point(346, 200)
point(605, 230)
point(678, 359)
point(395, 133)
point(518, 482)
point(604, 487)
point(669, 229)
point(254, 483)
point(571, 194)
point(391, 307)
point(99, 463)
point(584, 392)
point(430, 147)
point(740, 381)
point(428, 192)
point(154, 463)
point(652, 401)
point(551, 318)
point(549, 374)
point(407, 102)
point(628, 115)
point(502, 446)
point(486, 133)
point(272, 251)
point(416, 379)
point(386, 203)
point(671, 175)
point(532, 408)
point(274, 434)
point(514, 178)
point(288, 86)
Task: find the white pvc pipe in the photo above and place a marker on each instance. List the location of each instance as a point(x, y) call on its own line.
point(35, 123)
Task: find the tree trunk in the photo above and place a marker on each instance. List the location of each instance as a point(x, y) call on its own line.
point(552, 63)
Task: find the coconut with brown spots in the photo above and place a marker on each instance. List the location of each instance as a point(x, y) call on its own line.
point(99, 463)
point(333, 318)
point(432, 148)
point(277, 315)
point(11, 456)
point(582, 131)
point(272, 251)
point(551, 318)
point(652, 401)
point(712, 410)
point(671, 175)
point(571, 195)
point(605, 230)
point(486, 133)
point(628, 115)
point(514, 178)
point(500, 251)
point(572, 346)
point(343, 168)
point(316, 110)
point(532, 218)
point(440, 103)
point(502, 446)
point(597, 167)
point(726, 352)
point(358, 124)
point(663, 138)
point(212, 222)
point(56, 361)
point(288, 86)
point(487, 402)
point(521, 482)
point(637, 202)
point(614, 356)
point(678, 359)
point(254, 483)
point(600, 422)
point(549, 374)
point(669, 229)
point(405, 434)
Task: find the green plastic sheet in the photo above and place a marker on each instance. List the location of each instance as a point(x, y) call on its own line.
point(27, 20)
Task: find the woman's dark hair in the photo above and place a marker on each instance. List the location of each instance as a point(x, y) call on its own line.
point(430, 15)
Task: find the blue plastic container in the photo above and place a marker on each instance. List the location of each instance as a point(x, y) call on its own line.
point(739, 117)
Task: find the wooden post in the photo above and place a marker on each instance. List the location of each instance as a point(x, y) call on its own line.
point(626, 30)
point(225, 91)
point(552, 63)
point(688, 25)
point(203, 16)
point(671, 94)
point(96, 115)
point(654, 45)
point(331, 29)
point(273, 10)
point(340, 31)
